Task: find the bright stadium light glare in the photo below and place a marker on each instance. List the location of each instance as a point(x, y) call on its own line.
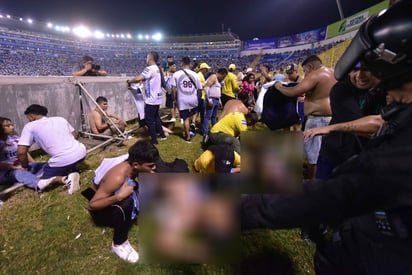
point(30, 21)
point(122, 35)
point(147, 37)
point(8, 16)
point(157, 37)
point(98, 34)
point(57, 28)
point(49, 25)
point(117, 36)
point(1, 15)
point(112, 35)
point(82, 31)
point(129, 36)
point(107, 34)
point(140, 36)
point(21, 19)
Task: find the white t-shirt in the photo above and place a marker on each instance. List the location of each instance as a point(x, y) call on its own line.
point(8, 150)
point(186, 91)
point(153, 85)
point(106, 165)
point(54, 135)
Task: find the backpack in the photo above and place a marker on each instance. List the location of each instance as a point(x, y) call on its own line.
point(224, 157)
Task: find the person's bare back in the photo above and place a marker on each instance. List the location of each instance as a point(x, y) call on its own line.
point(233, 105)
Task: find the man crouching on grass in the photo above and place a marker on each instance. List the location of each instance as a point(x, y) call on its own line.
point(115, 202)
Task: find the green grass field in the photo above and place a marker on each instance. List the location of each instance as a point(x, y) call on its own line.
point(52, 232)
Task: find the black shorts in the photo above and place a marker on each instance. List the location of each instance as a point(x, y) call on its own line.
point(169, 101)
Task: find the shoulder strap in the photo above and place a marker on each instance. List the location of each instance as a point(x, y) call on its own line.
point(191, 80)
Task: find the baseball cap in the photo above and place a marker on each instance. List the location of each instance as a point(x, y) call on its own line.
point(232, 67)
point(204, 66)
point(290, 68)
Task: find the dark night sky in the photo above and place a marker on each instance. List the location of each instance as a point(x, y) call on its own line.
point(248, 19)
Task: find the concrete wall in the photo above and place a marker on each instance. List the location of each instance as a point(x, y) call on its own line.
point(61, 96)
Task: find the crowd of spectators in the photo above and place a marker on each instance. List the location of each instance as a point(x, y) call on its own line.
point(36, 54)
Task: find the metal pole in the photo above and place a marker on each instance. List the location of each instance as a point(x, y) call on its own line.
point(101, 110)
point(340, 9)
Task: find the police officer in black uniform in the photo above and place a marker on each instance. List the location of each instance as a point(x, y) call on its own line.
point(370, 195)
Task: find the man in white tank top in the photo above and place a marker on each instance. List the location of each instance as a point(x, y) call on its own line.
point(213, 90)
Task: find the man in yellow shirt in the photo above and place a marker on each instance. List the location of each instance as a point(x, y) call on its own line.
point(218, 159)
point(228, 129)
point(230, 87)
point(203, 69)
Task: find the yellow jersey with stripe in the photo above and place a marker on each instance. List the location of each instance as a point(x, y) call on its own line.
point(232, 124)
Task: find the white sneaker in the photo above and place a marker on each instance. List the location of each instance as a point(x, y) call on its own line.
point(126, 252)
point(72, 182)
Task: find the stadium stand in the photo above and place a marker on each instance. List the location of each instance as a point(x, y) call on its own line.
point(31, 52)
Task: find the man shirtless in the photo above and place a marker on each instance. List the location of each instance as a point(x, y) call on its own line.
point(114, 199)
point(236, 105)
point(316, 86)
point(100, 124)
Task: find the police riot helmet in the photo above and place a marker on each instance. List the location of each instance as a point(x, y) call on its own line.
point(384, 44)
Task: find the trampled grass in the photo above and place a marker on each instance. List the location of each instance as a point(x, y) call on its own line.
point(52, 233)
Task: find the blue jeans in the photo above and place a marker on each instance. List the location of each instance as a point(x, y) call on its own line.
point(153, 121)
point(211, 114)
point(28, 177)
point(50, 172)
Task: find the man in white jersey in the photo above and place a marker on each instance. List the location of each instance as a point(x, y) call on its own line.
point(184, 87)
point(213, 88)
point(56, 137)
point(152, 78)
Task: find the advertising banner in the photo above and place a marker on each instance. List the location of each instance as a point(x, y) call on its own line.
point(353, 22)
point(309, 36)
point(260, 44)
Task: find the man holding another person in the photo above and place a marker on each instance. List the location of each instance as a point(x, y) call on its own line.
point(316, 86)
point(57, 138)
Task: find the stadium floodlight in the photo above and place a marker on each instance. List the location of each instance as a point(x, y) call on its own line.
point(117, 36)
point(57, 28)
point(30, 21)
point(49, 25)
point(1, 15)
point(113, 35)
point(107, 34)
point(82, 31)
point(21, 19)
point(122, 35)
point(8, 16)
point(140, 36)
point(157, 36)
point(98, 34)
point(129, 36)
point(147, 37)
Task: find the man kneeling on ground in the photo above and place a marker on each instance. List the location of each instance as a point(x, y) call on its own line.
point(56, 137)
point(115, 203)
point(99, 122)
